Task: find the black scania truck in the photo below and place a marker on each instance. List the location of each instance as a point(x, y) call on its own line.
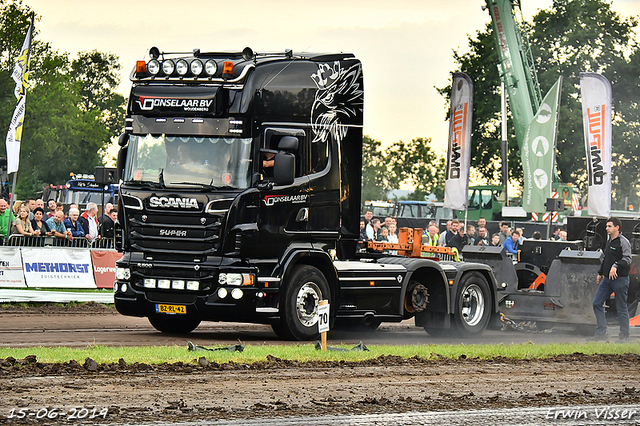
point(240, 201)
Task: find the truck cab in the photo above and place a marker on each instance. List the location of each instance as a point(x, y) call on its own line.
point(240, 201)
point(233, 166)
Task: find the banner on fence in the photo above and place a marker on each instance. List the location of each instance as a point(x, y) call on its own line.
point(11, 268)
point(57, 268)
point(104, 267)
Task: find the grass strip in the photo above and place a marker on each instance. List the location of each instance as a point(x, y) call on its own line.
point(306, 352)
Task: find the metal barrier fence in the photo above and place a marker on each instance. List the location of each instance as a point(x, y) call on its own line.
point(38, 241)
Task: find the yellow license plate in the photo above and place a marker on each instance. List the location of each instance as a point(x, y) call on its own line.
point(171, 309)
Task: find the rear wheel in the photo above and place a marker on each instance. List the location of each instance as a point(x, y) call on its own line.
point(473, 305)
point(173, 324)
point(307, 286)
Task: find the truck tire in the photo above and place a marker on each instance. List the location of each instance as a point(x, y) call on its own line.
point(173, 324)
point(299, 307)
point(472, 305)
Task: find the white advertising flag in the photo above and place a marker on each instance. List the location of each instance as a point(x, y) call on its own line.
point(596, 118)
point(20, 76)
point(456, 187)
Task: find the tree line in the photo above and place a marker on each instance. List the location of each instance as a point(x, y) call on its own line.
point(570, 37)
point(73, 109)
point(414, 163)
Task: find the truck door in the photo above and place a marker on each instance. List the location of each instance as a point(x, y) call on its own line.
point(284, 209)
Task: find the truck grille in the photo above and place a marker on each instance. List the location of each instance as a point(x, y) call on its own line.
point(176, 234)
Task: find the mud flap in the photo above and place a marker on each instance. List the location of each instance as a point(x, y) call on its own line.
point(433, 319)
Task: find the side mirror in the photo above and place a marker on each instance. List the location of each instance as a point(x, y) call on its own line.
point(284, 168)
point(123, 140)
point(288, 143)
point(122, 159)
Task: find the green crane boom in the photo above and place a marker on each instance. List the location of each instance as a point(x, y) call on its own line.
point(516, 64)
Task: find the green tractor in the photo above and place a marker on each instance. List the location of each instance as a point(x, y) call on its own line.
point(488, 201)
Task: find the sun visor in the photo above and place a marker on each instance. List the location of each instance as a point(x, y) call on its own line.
point(158, 101)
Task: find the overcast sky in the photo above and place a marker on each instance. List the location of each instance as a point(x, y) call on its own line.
point(405, 45)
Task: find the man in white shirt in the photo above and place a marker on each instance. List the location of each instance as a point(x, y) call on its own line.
point(89, 221)
point(372, 229)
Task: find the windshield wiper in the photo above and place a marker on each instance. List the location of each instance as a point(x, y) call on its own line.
point(146, 183)
point(202, 185)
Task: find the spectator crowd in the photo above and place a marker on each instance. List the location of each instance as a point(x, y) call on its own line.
point(28, 220)
point(455, 236)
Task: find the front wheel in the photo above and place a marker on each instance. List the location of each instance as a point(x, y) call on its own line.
point(174, 324)
point(473, 305)
point(307, 286)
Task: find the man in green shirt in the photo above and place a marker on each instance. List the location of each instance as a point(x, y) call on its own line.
point(6, 217)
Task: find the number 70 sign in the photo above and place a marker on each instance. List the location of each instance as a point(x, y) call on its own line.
point(323, 316)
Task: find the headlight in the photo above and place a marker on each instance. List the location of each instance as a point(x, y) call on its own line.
point(196, 67)
point(222, 292)
point(234, 279)
point(193, 285)
point(210, 67)
point(182, 67)
point(149, 283)
point(236, 293)
point(177, 284)
point(164, 283)
point(123, 273)
point(168, 66)
point(153, 67)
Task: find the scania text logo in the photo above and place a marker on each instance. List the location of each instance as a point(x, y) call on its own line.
point(171, 202)
point(172, 233)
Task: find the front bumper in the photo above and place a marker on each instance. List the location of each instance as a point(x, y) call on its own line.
point(212, 300)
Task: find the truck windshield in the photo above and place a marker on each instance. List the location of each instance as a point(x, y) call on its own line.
point(178, 161)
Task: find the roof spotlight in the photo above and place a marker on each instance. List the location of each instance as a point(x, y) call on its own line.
point(182, 67)
point(210, 67)
point(153, 67)
point(168, 66)
point(196, 67)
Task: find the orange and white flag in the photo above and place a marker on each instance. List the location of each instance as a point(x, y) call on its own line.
point(596, 118)
point(456, 187)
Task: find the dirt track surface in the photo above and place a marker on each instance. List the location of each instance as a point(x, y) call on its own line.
point(138, 393)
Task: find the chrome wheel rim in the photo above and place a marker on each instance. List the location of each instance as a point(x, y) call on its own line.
point(307, 301)
point(472, 305)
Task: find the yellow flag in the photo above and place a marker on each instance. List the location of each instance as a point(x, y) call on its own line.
point(20, 76)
